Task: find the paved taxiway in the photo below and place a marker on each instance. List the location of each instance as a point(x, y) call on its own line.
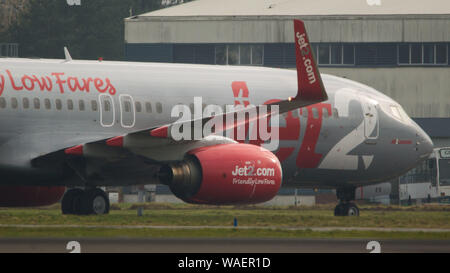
point(221, 245)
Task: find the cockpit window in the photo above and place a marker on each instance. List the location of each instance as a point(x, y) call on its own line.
point(403, 113)
point(396, 112)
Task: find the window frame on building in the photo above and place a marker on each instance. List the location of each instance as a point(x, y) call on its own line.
point(239, 57)
point(400, 61)
point(9, 50)
point(316, 48)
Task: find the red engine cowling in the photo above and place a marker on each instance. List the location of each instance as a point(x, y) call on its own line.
point(225, 174)
point(30, 196)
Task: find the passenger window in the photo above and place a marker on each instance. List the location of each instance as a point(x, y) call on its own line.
point(2, 103)
point(70, 105)
point(138, 107)
point(94, 105)
point(47, 103)
point(37, 103)
point(14, 103)
point(148, 107)
point(159, 108)
point(26, 103)
point(81, 105)
point(58, 104)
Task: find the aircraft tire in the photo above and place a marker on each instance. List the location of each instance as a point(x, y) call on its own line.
point(68, 201)
point(352, 210)
point(77, 204)
point(347, 209)
point(95, 201)
point(339, 210)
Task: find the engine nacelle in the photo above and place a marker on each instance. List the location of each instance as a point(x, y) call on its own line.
point(30, 196)
point(225, 174)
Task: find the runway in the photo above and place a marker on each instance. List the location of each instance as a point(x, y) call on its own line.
point(225, 245)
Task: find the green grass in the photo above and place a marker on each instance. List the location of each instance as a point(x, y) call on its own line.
point(189, 215)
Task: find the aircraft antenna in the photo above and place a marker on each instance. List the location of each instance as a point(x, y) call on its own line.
point(67, 54)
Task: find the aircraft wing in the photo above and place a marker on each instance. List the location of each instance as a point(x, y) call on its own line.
point(128, 148)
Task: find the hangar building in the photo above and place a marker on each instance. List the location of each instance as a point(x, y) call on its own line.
point(399, 47)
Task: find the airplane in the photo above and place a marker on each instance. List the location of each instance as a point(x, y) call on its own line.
point(84, 125)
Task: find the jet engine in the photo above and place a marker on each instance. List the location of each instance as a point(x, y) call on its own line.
point(30, 196)
point(224, 174)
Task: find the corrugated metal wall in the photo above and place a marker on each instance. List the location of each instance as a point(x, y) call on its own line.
point(276, 29)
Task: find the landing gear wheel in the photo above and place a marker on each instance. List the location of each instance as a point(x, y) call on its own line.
point(352, 210)
point(347, 209)
point(78, 205)
point(68, 201)
point(339, 210)
point(95, 202)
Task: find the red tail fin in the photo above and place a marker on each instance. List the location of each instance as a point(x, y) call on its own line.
point(310, 86)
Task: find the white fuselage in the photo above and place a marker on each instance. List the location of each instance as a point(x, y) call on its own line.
point(355, 137)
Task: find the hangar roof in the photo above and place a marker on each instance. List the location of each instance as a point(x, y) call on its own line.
point(302, 7)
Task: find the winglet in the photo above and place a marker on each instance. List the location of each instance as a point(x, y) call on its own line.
point(67, 55)
point(310, 85)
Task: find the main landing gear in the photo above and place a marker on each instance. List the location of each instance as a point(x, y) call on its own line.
point(85, 202)
point(346, 207)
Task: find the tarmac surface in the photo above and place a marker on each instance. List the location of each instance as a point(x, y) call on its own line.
point(226, 245)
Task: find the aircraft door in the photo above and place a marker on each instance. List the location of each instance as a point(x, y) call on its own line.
point(107, 113)
point(127, 111)
point(371, 120)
